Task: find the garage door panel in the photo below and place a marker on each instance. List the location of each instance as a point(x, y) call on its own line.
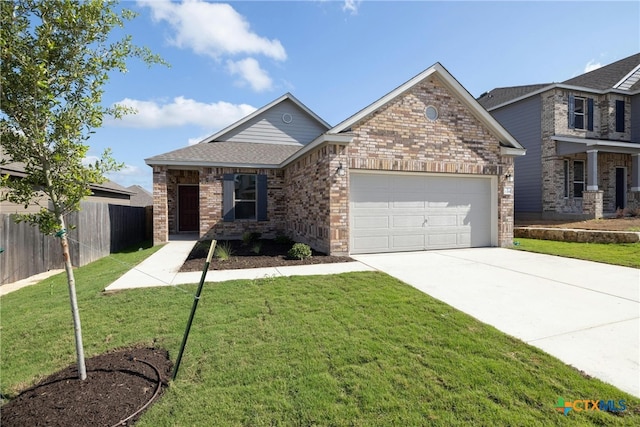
point(416, 212)
point(410, 242)
point(442, 240)
point(370, 244)
point(371, 222)
point(407, 221)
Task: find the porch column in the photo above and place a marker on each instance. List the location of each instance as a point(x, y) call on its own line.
point(592, 170)
point(635, 172)
point(160, 212)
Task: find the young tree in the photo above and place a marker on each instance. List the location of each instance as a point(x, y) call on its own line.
point(56, 58)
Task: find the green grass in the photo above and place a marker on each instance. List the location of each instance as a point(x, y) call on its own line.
point(625, 254)
point(356, 349)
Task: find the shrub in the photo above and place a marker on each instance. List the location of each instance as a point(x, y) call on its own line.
point(256, 248)
point(299, 251)
point(223, 251)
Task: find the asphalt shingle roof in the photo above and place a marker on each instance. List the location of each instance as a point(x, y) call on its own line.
point(501, 95)
point(228, 152)
point(602, 78)
point(606, 77)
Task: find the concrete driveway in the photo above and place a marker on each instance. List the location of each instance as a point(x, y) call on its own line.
point(586, 314)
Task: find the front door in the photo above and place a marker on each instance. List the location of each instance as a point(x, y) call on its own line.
point(188, 208)
point(621, 188)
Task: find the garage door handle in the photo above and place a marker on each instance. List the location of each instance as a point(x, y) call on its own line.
point(425, 222)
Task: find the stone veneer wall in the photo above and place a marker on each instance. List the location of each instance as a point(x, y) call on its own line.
point(160, 214)
point(211, 223)
point(555, 122)
point(317, 200)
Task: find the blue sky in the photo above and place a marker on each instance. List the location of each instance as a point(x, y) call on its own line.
point(336, 57)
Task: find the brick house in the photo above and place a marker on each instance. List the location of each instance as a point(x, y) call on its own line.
point(582, 138)
point(423, 167)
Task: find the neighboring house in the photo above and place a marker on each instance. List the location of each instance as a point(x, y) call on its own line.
point(140, 197)
point(107, 192)
point(423, 167)
point(582, 138)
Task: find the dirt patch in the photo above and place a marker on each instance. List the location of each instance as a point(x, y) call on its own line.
point(118, 384)
point(606, 224)
point(270, 254)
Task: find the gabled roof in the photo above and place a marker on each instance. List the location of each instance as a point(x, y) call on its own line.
point(454, 86)
point(17, 169)
point(501, 95)
point(222, 154)
point(622, 76)
point(286, 96)
point(606, 77)
point(140, 196)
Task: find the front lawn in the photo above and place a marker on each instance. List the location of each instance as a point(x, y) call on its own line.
point(357, 349)
point(625, 254)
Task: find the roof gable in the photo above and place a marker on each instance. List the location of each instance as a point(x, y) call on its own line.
point(607, 77)
point(453, 86)
point(283, 121)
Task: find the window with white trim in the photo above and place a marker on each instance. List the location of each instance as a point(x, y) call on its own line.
point(578, 178)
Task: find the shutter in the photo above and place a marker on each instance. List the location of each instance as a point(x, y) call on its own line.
point(572, 117)
point(228, 188)
point(262, 197)
point(589, 113)
point(619, 116)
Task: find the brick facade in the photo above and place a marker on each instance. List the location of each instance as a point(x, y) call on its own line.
point(309, 199)
point(554, 121)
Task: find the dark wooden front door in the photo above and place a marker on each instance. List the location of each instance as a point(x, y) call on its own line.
point(620, 188)
point(188, 208)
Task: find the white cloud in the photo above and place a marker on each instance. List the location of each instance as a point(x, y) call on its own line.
point(351, 6)
point(250, 72)
point(592, 65)
point(181, 112)
point(213, 29)
point(194, 141)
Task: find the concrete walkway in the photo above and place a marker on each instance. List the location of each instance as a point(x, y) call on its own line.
point(587, 314)
point(161, 269)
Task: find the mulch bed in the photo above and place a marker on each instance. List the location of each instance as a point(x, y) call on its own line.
point(271, 254)
point(116, 387)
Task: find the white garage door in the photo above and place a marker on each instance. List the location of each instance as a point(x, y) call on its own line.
point(393, 213)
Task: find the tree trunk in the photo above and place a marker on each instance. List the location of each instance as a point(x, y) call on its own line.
point(82, 369)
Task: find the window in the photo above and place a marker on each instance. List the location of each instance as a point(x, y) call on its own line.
point(566, 178)
point(580, 112)
point(619, 116)
point(578, 178)
point(244, 197)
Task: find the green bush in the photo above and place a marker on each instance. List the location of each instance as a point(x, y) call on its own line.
point(256, 247)
point(223, 251)
point(299, 251)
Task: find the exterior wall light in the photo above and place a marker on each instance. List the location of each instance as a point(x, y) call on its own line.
point(509, 177)
point(341, 171)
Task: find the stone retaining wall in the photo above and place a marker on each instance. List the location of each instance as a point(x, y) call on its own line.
point(573, 235)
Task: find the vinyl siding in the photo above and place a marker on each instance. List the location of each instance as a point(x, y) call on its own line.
point(522, 120)
point(270, 128)
point(635, 118)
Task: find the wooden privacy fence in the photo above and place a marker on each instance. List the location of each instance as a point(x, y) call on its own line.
point(100, 229)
